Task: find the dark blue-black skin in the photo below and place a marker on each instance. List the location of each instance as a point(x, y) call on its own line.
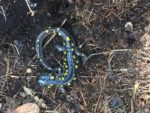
point(70, 60)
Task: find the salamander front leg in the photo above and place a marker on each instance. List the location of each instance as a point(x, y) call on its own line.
point(83, 56)
point(63, 90)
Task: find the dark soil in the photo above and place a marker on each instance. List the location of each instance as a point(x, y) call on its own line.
point(108, 82)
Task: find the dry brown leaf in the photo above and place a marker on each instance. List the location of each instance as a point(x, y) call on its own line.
point(27, 108)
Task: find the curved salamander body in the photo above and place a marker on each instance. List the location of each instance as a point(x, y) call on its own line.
point(70, 61)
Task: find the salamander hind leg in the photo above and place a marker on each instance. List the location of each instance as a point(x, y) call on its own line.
point(60, 48)
point(58, 71)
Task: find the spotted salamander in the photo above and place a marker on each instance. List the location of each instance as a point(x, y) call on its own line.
point(70, 62)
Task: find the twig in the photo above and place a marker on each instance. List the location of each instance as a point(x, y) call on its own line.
point(105, 53)
point(29, 7)
point(7, 72)
point(85, 104)
point(3, 12)
point(15, 47)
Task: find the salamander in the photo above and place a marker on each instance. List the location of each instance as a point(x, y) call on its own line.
point(70, 62)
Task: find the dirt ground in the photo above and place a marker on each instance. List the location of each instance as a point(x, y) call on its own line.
point(115, 37)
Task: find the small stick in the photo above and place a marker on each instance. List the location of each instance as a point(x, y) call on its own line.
point(3, 12)
point(30, 10)
point(105, 53)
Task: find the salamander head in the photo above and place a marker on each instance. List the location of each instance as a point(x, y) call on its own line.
point(45, 79)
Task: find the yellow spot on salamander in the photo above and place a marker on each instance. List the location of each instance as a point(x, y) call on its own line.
point(62, 78)
point(57, 86)
point(76, 66)
point(65, 59)
point(67, 38)
point(65, 63)
point(74, 56)
point(48, 86)
point(72, 44)
point(74, 78)
point(66, 70)
point(46, 31)
point(65, 73)
point(72, 49)
point(64, 43)
point(77, 61)
point(65, 52)
point(66, 66)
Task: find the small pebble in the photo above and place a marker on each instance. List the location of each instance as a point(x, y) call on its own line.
point(29, 70)
point(22, 94)
point(27, 108)
point(129, 26)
